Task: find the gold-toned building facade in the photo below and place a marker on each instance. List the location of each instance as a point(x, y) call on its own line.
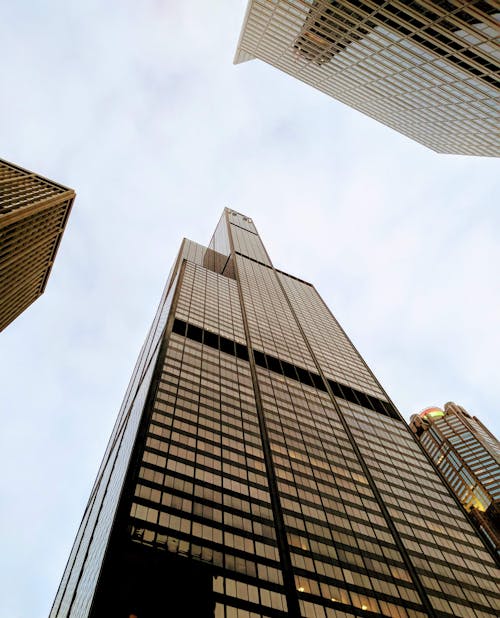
point(33, 215)
point(258, 469)
point(468, 455)
point(430, 70)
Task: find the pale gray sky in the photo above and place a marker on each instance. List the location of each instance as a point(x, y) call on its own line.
point(139, 108)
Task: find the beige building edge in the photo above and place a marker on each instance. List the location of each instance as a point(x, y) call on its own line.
point(33, 215)
point(429, 70)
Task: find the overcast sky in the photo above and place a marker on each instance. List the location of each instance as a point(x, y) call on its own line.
point(138, 107)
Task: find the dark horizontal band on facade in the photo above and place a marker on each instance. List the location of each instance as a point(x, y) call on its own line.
point(245, 229)
point(282, 367)
point(282, 272)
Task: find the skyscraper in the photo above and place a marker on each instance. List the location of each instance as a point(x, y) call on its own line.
point(468, 455)
point(33, 215)
point(429, 70)
point(258, 468)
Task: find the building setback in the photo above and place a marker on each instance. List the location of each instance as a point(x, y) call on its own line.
point(257, 468)
point(33, 215)
point(429, 70)
point(468, 455)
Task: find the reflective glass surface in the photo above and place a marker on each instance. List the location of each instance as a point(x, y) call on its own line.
point(257, 452)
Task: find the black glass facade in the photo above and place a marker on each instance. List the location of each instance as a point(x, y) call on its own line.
point(257, 468)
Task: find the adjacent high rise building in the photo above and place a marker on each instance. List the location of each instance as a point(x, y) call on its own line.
point(468, 455)
point(33, 215)
point(430, 70)
point(258, 469)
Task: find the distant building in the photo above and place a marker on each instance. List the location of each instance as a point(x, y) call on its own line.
point(468, 455)
point(33, 215)
point(429, 70)
point(257, 468)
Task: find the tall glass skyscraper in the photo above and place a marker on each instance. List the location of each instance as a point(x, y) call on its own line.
point(257, 468)
point(468, 455)
point(430, 70)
